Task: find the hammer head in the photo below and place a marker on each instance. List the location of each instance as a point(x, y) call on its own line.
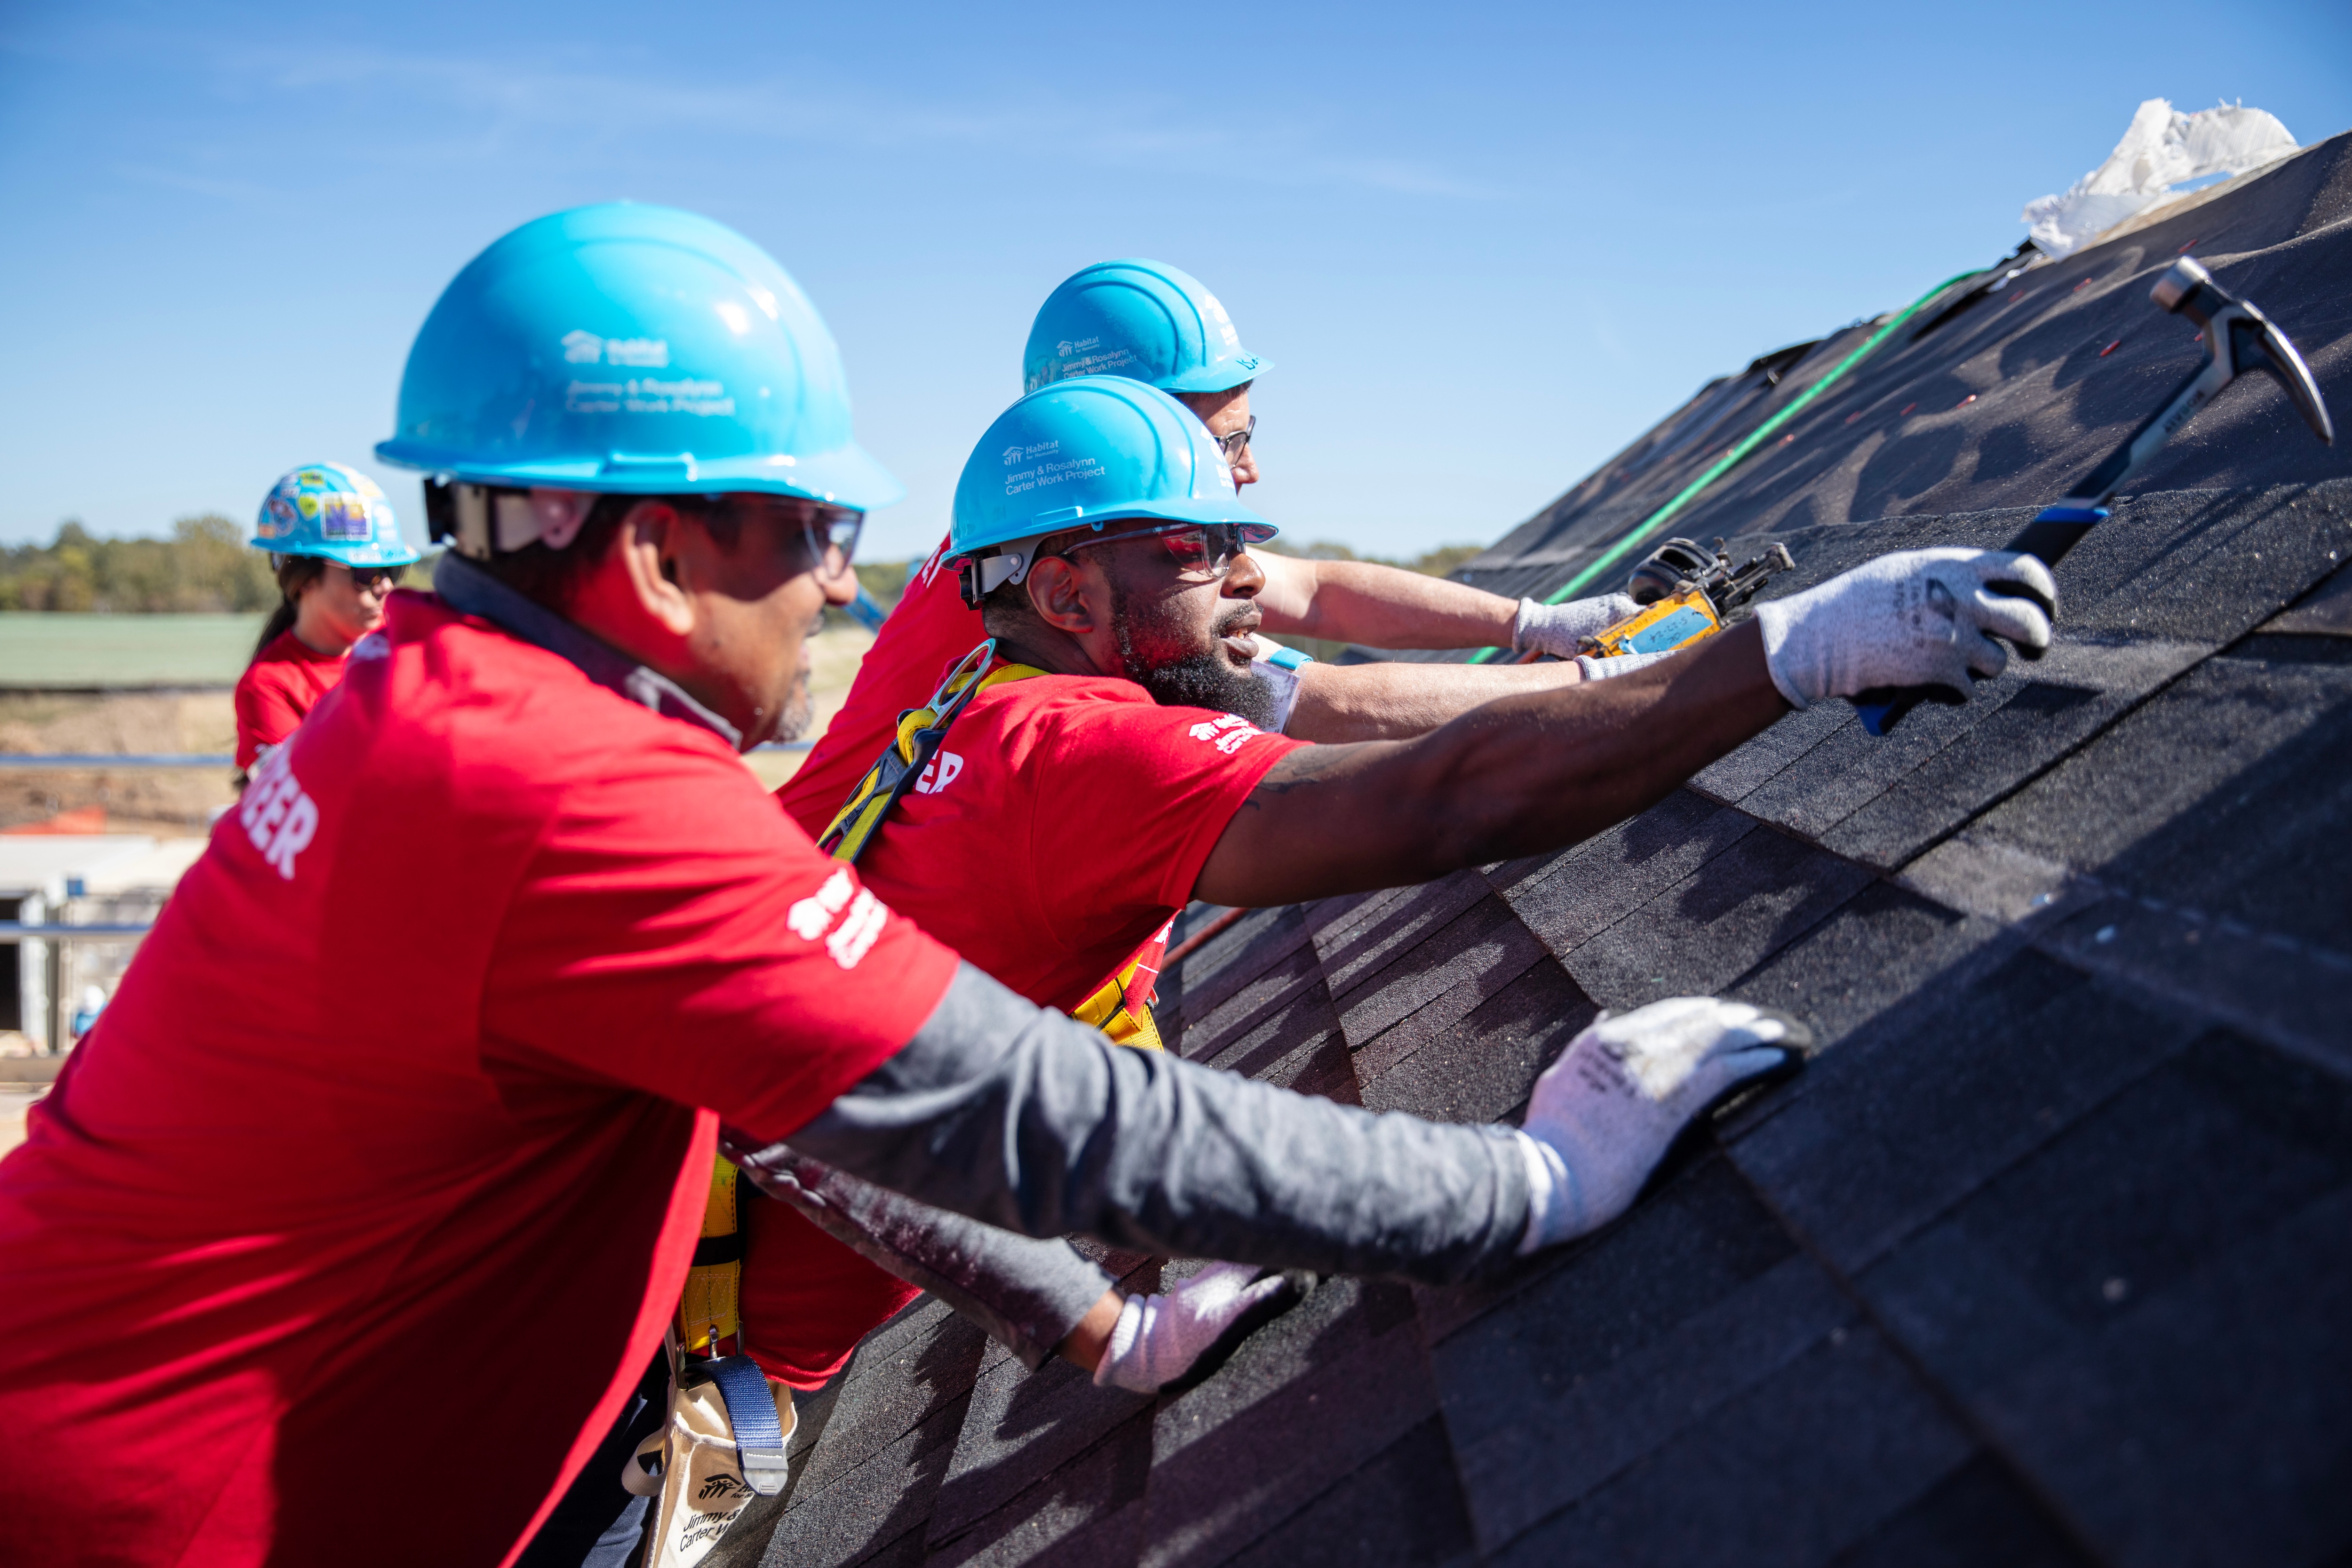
point(2241, 338)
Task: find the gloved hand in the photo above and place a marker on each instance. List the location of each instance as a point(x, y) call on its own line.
point(1557, 629)
point(1615, 665)
point(1603, 1115)
point(1917, 618)
point(1160, 1338)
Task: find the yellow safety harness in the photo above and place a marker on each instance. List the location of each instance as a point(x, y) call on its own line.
point(709, 1311)
point(1121, 1007)
point(916, 746)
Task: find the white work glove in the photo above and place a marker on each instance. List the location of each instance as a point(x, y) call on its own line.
point(1558, 629)
point(1602, 1116)
point(1158, 1337)
point(1597, 668)
point(1917, 618)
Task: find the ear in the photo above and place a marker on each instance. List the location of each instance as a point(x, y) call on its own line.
point(650, 541)
point(1059, 593)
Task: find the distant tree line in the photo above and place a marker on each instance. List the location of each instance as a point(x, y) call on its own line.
point(204, 565)
point(1441, 561)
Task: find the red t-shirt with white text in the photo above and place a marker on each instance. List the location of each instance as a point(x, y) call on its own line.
point(284, 683)
point(383, 1169)
point(1063, 823)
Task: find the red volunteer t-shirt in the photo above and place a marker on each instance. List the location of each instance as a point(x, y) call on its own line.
point(1063, 823)
point(284, 683)
point(381, 1175)
point(929, 630)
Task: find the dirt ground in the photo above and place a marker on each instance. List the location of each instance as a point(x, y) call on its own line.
point(165, 802)
point(168, 802)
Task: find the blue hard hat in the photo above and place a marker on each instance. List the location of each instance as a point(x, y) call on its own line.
point(632, 349)
point(1084, 453)
point(326, 508)
point(1141, 319)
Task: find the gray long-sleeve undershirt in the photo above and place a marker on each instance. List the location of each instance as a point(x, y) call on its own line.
point(1029, 1120)
point(1028, 1293)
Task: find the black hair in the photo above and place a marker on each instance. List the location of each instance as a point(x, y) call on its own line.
point(295, 573)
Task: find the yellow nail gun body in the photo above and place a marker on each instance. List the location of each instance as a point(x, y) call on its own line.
point(1686, 593)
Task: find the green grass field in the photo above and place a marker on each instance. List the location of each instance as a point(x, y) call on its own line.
point(50, 651)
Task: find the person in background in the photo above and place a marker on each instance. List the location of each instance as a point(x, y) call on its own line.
point(337, 549)
point(93, 1003)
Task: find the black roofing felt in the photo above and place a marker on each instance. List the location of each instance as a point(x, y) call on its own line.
point(2047, 1257)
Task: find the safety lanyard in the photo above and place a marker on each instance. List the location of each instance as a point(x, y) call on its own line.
point(902, 765)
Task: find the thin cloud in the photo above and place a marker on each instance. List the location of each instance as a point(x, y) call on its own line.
point(476, 108)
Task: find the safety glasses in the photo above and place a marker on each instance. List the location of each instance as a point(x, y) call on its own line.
point(1234, 445)
point(1198, 549)
point(374, 579)
point(828, 534)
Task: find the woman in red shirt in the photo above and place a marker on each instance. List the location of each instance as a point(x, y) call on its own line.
point(337, 549)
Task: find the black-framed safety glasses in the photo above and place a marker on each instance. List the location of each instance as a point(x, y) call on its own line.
point(1234, 445)
point(371, 579)
point(1198, 549)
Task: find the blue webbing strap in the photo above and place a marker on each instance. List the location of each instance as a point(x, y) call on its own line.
point(751, 1412)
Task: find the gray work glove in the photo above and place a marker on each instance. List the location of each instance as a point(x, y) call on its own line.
point(1558, 629)
point(1602, 1116)
point(1917, 618)
point(1160, 1339)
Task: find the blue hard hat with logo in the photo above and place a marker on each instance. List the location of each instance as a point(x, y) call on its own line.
point(637, 349)
point(326, 508)
point(1142, 320)
point(1083, 454)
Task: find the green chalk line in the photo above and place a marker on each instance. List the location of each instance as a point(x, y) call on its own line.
point(1724, 464)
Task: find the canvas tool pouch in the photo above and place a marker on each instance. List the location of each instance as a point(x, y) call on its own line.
point(723, 1445)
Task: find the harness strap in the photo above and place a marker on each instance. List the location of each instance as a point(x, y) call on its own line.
point(1121, 1006)
point(710, 1309)
point(902, 763)
point(751, 1414)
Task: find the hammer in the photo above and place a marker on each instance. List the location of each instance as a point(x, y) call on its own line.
point(2238, 338)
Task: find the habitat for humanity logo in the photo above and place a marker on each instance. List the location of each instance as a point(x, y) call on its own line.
point(1018, 453)
point(587, 348)
point(1066, 348)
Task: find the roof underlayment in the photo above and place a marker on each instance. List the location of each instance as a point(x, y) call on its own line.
point(2042, 1260)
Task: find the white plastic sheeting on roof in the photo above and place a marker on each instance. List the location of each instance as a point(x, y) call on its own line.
point(2163, 149)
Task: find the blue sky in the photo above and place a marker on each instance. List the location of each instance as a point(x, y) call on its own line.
point(1485, 245)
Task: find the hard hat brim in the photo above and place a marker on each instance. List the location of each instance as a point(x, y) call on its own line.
point(1060, 521)
point(846, 477)
point(1222, 376)
point(353, 554)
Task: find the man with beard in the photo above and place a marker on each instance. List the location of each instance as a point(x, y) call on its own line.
point(1113, 761)
point(1147, 322)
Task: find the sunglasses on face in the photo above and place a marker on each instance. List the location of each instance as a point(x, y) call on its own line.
point(1198, 549)
point(374, 579)
point(1234, 445)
